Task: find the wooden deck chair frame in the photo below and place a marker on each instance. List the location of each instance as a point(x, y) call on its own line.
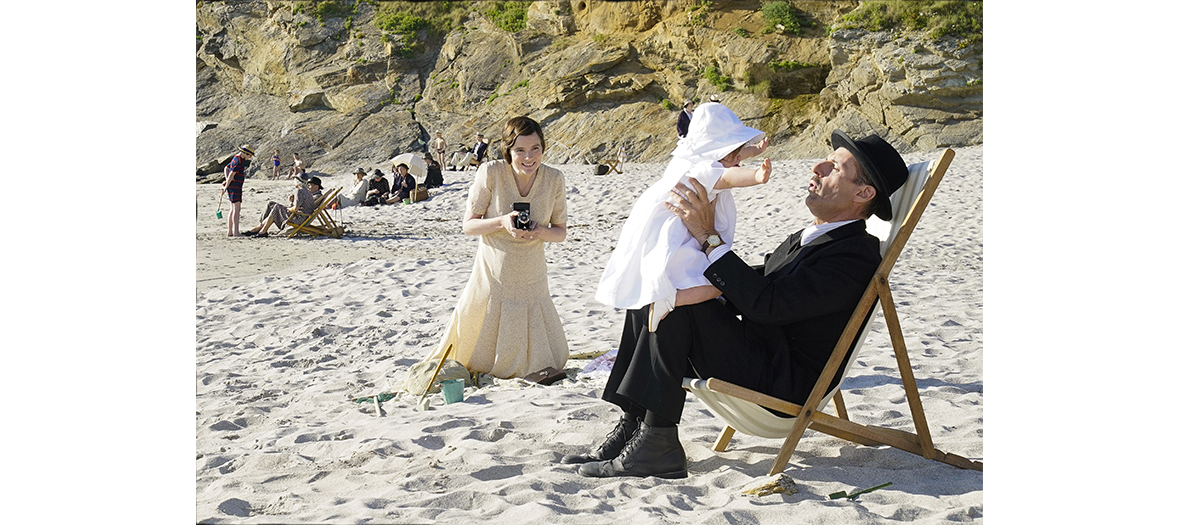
point(613, 165)
point(740, 407)
point(319, 222)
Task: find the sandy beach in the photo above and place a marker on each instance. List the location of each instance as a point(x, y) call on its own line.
point(289, 331)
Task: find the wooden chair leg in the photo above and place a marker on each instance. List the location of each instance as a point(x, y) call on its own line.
point(723, 439)
point(838, 400)
point(788, 448)
point(907, 373)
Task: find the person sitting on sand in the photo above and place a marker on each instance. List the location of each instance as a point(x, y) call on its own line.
point(302, 202)
point(778, 324)
point(296, 167)
point(655, 259)
point(433, 173)
point(403, 182)
point(378, 190)
point(357, 194)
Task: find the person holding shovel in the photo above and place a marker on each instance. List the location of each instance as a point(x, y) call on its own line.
point(235, 177)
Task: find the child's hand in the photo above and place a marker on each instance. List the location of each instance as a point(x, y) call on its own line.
point(755, 150)
point(763, 173)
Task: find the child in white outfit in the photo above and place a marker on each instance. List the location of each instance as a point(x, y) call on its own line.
point(655, 255)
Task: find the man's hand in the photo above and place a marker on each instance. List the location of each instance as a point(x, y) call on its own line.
point(693, 207)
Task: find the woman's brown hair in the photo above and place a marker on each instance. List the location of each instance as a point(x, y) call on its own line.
point(516, 127)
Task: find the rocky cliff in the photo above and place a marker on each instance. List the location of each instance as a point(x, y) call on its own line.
point(598, 75)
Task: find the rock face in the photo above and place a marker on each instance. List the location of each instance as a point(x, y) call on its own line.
point(598, 75)
point(908, 90)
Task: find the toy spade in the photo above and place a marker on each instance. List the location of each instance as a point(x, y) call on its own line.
point(842, 494)
point(219, 203)
point(423, 404)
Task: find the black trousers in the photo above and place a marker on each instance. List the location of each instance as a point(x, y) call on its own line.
point(701, 340)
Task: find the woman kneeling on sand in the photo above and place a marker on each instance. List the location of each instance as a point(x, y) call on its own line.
point(505, 323)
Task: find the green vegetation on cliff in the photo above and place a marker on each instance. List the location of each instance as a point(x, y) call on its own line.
point(407, 17)
point(509, 16)
point(403, 17)
point(963, 19)
point(784, 14)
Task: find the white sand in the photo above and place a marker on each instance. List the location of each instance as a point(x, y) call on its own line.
point(288, 330)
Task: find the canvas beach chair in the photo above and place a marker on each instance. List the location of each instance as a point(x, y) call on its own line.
point(319, 222)
point(741, 408)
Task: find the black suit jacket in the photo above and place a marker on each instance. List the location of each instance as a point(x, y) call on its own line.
point(682, 123)
point(796, 305)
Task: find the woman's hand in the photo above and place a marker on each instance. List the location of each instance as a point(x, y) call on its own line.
point(477, 225)
point(509, 223)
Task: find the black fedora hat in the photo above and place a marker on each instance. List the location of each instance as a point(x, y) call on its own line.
point(884, 165)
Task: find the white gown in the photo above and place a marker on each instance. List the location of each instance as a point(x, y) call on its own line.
point(655, 255)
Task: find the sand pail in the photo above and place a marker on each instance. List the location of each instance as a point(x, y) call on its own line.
point(452, 390)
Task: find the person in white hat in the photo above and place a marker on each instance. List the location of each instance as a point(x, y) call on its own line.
point(655, 255)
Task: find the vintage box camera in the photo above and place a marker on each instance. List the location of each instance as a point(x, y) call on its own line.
point(522, 219)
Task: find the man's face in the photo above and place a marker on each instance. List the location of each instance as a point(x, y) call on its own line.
point(832, 193)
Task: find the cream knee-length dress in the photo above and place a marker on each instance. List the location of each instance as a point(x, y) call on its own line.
point(505, 323)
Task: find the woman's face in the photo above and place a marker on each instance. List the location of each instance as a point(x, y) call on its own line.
point(527, 154)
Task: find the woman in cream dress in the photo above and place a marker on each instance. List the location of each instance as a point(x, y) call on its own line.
point(505, 323)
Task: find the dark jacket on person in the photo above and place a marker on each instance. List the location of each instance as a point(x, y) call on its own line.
point(434, 177)
point(792, 311)
point(479, 150)
point(682, 123)
point(402, 186)
point(797, 303)
point(382, 187)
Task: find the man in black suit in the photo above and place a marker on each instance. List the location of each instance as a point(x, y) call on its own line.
point(479, 150)
point(793, 309)
point(684, 119)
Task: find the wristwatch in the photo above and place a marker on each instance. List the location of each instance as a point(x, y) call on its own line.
point(711, 241)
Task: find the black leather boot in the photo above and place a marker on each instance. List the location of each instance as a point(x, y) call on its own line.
point(610, 448)
point(654, 451)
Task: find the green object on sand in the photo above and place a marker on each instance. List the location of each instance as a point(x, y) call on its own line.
point(842, 494)
point(369, 399)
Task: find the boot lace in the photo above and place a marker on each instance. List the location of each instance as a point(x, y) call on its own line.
point(633, 443)
point(619, 432)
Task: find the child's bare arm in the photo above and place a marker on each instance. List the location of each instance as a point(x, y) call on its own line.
point(696, 294)
point(738, 177)
point(754, 150)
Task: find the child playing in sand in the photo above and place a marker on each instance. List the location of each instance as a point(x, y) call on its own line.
point(655, 255)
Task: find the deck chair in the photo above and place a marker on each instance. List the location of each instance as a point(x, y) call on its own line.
point(741, 408)
point(319, 222)
point(613, 164)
